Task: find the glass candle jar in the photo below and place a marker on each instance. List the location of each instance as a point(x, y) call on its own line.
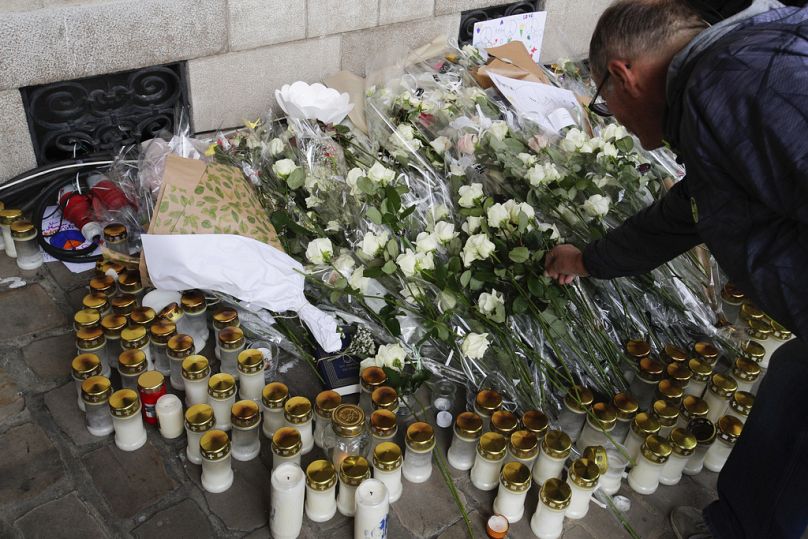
point(369, 379)
point(123, 304)
point(644, 385)
point(611, 479)
point(231, 343)
point(161, 332)
point(680, 373)
point(195, 377)
point(468, 428)
point(104, 285)
point(491, 451)
point(643, 425)
point(626, 408)
point(224, 317)
point(273, 397)
point(217, 472)
point(287, 500)
point(129, 282)
point(286, 446)
point(523, 446)
point(95, 392)
point(86, 319)
point(741, 405)
point(352, 471)
point(384, 398)
point(113, 325)
point(116, 238)
point(682, 443)
point(718, 395)
point(372, 506)
point(419, 443)
point(102, 266)
point(731, 300)
point(701, 376)
point(704, 430)
point(245, 417)
point(169, 416)
point(387, 468)
point(137, 338)
point(180, 346)
point(196, 320)
point(486, 403)
point(98, 302)
point(250, 374)
point(142, 316)
point(198, 421)
point(131, 364)
point(130, 434)
point(729, 429)
point(555, 448)
point(582, 480)
point(599, 424)
point(666, 415)
point(706, 352)
point(554, 499)
point(92, 341)
point(573, 413)
point(673, 354)
point(82, 367)
point(383, 428)
point(644, 476)
point(297, 413)
point(692, 408)
point(321, 491)
point(504, 422)
point(348, 435)
point(745, 372)
point(536, 422)
point(7, 218)
point(324, 405)
point(151, 385)
point(670, 392)
point(514, 482)
point(222, 397)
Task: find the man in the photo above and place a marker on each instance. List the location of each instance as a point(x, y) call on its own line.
point(732, 101)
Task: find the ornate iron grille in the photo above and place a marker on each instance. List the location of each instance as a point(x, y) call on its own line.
point(104, 113)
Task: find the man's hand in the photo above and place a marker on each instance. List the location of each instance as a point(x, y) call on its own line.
point(564, 263)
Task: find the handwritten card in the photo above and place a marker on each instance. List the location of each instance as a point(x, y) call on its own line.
point(527, 28)
point(552, 108)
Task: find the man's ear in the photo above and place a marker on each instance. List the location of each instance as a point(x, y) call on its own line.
point(624, 77)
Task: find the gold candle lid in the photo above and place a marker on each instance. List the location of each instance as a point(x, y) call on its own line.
point(113, 325)
point(701, 369)
point(134, 337)
point(115, 232)
point(180, 346)
point(745, 369)
point(199, 418)
point(124, 403)
point(193, 302)
point(492, 446)
point(90, 337)
point(536, 422)
point(103, 284)
point(468, 425)
point(171, 312)
point(723, 385)
point(96, 389)
point(250, 361)
point(348, 420)
point(779, 331)
point(750, 312)
point(286, 442)
point(487, 402)
point(670, 391)
point(384, 398)
point(96, 301)
point(504, 422)
point(225, 317)
point(86, 318)
point(8, 216)
point(84, 366)
point(383, 423)
point(656, 449)
point(245, 414)
point(732, 294)
point(420, 437)
point(372, 377)
point(353, 470)
point(644, 424)
point(603, 416)
point(557, 444)
point(637, 348)
point(214, 445)
point(22, 228)
point(758, 329)
point(651, 369)
point(665, 413)
point(123, 304)
point(387, 457)
point(555, 494)
point(274, 394)
point(231, 338)
point(129, 282)
point(132, 362)
point(103, 266)
point(706, 351)
point(162, 330)
point(221, 386)
point(703, 429)
point(626, 406)
point(321, 475)
point(679, 372)
point(753, 351)
point(523, 444)
point(326, 402)
point(515, 477)
point(578, 399)
point(729, 428)
point(742, 402)
point(150, 381)
point(584, 473)
point(693, 407)
point(598, 455)
point(674, 354)
point(142, 316)
point(297, 410)
point(195, 367)
point(682, 442)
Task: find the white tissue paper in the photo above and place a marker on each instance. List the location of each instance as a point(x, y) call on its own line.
point(313, 102)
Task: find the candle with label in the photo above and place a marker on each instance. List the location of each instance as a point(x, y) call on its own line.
point(372, 506)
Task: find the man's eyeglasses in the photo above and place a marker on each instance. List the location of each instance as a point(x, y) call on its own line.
point(600, 108)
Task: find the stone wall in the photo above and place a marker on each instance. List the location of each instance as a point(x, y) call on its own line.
point(238, 51)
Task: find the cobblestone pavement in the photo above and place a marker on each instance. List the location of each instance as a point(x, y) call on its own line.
point(58, 480)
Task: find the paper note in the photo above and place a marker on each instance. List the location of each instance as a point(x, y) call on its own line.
point(552, 108)
point(64, 235)
point(526, 27)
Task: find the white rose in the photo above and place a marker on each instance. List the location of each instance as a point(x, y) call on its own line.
point(614, 132)
point(472, 225)
point(439, 212)
point(379, 174)
point(344, 264)
point(441, 144)
point(406, 132)
point(391, 356)
point(275, 147)
point(517, 209)
point(608, 150)
point(319, 251)
point(358, 281)
point(352, 178)
point(474, 345)
point(372, 244)
point(551, 172)
point(492, 305)
point(424, 261)
point(527, 159)
point(497, 215)
point(332, 226)
point(284, 167)
point(407, 261)
point(544, 227)
point(536, 175)
point(477, 247)
point(597, 206)
point(444, 232)
point(470, 195)
point(426, 243)
point(586, 147)
point(412, 292)
point(498, 129)
point(313, 201)
point(596, 142)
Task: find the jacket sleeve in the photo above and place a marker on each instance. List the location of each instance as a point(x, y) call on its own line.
point(650, 238)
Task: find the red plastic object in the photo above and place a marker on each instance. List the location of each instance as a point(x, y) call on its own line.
point(110, 195)
point(77, 209)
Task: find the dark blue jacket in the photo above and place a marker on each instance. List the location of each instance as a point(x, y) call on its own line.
point(738, 118)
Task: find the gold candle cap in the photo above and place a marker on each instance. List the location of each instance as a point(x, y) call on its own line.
point(670, 391)
point(250, 361)
point(651, 369)
point(195, 367)
point(297, 410)
point(103, 266)
point(286, 442)
point(706, 351)
point(383, 423)
point(732, 294)
point(193, 302)
point(779, 331)
point(199, 418)
point(162, 331)
point(321, 475)
point(123, 304)
point(348, 420)
point(515, 477)
point(384, 398)
point(555, 494)
point(753, 351)
point(245, 414)
point(750, 312)
point(225, 317)
point(637, 348)
point(214, 445)
point(504, 422)
point(231, 338)
point(132, 362)
point(674, 354)
point(584, 473)
point(665, 413)
point(326, 402)
point(602, 416)
point(598, 455)
point(103, 284)
point(124, 403)
point(353, 470)
point(86, 318)
point(656, 449)
point(142, 316)
point(150, 381)
point(557, 444)
point(523, 444)
point(84, 366)
point(22, 229)
point(372, 377)
point(723, 385)
point(180, 346)
point(760, 330)
point(96, 301)
point(745, 369)
point(703, 429)
point(468, 425)
point(221, 386)
point(492, 446)
point(420, 437)
point(729, 428)
point(644, 424)
point(171, 312)
point(8, 216)
point(115, 232)
point(742, 402)
point(626, 406)
point(113, 325)
point(387, 456)
point(129, 282)
point(90, 337)
point(134, 337)
point(693, 407)
point(536, 422)
point(679, 372)
point(578, 399)
point(701, 369)
point(487, 402)
point(682, 442)
point(274, 395)
point(96, 389)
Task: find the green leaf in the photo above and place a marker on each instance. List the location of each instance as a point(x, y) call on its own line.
point(625, 144)
point(455, 264)
point(392, 248)
point(520, 305)
point(514, 145)
point(519, 254)
point(335, 296)
point(199, 190)
point(389, 268)
point(406, 213)
point(374, 215)
point(443, 332)
point(373, 273)
point(536, 287)
point(465, 278)
point(296, 179)
point(393, 326)
point(441, 274)
point(393, 199)
point(365, 185)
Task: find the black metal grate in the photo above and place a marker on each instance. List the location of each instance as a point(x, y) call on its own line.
point(104, 113)
point(469, 18)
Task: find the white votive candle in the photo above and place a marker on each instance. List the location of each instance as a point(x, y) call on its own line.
point(610, 481)
point(387, 468)
point(718, 395)
point(217, 473)
point(298, 414)
point(273, 397)
point(353, 470)
point(467, 431)
point(554, 498)
point(130, 434)
point(82, 367)
point(245, 417)
point(131, 364)
point(250, 374)
point(287, 501)
point(321, 490)
point(195, 376)
point(644, 476)
point(231, 343)
point(523, 446)
point(161, 332)
point(372, 506)
point(729, 429)
point(419, 443)
point(486, 402)
point(324, 405)
point(582, 480)
point(198, 420)
point(644, 424)
point(682, 445)
point(221, 397)
point(514, 482)
point(286, 446)
point(169, 416)
point(491, 451)
point(383, 428)
point(555, 448)
point(180, 346)
point(92, 341)
point(95, 394)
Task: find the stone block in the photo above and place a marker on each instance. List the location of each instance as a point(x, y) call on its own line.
point(428, 508)
point(19, 152)
point(66, 279)
point(129, 481)
point(28, 310)
point(11, 399)
point(334, 16)
point(256, 23)
point(361, 49)
point(443, 7)
point(8, 265)
point(63, 407)
point(70, 42)
point(19, 5)
point(232, 88)
point(643, 519)
point(69, 514)
point(569, 28)
point(393, 11)
point(30, 465)
point(687, 492)
point(245, 505)
point(300, 377)
point(50, 357)
point(185, 519)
